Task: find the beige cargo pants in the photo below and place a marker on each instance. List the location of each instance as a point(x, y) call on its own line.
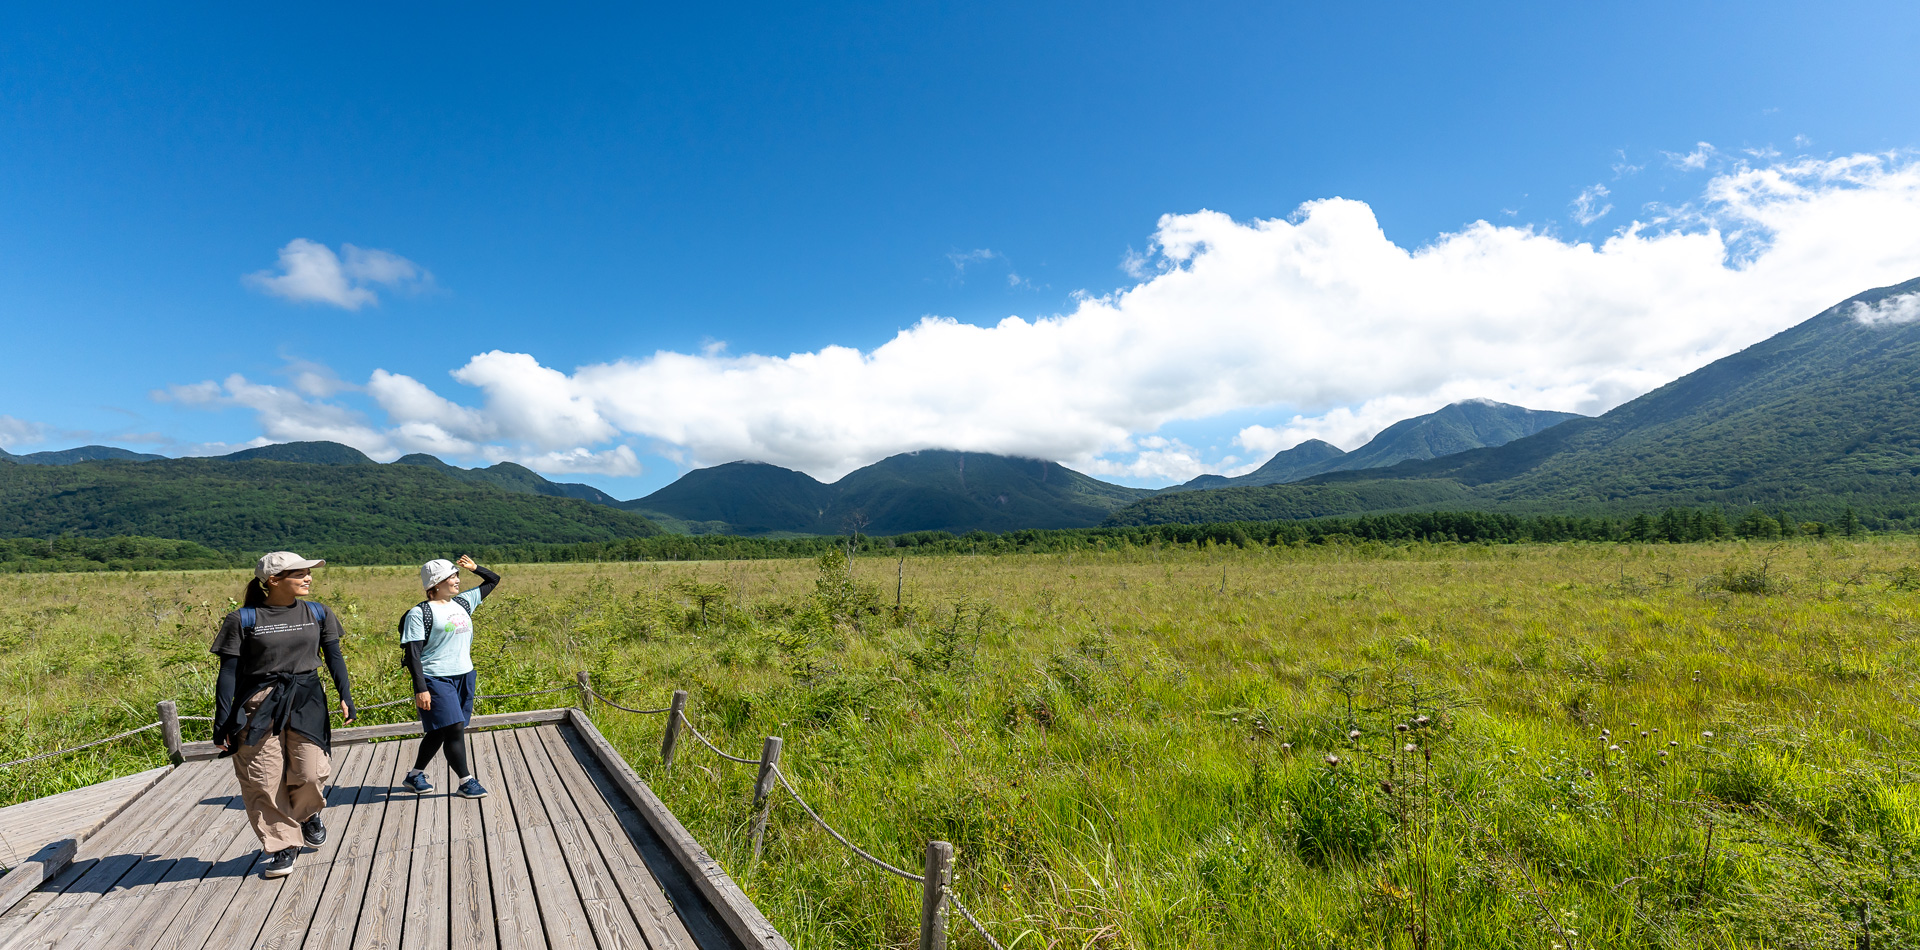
point(283, 781)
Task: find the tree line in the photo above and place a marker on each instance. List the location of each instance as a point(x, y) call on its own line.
point(1672, 526)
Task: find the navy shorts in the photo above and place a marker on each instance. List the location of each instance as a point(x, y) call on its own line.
point(452, 700)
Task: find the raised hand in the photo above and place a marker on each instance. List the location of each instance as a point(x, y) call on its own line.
point(466, 562)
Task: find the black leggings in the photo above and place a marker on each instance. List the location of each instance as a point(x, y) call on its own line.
point(454, 739)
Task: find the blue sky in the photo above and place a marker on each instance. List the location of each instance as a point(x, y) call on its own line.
point(688, 235)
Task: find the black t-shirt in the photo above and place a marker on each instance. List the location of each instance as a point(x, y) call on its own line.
point(283, 640)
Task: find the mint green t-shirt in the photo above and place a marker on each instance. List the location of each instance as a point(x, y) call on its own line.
point(449, 652)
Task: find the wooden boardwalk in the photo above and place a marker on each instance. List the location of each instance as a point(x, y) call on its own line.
point(570, 850)
point(25, 827)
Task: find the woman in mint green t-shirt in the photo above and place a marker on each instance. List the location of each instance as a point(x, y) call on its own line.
point(438, 638)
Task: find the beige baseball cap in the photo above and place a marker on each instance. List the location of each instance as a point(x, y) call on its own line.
point(280, 562)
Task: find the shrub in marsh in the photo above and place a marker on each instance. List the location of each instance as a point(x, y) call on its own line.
point(1339, 812)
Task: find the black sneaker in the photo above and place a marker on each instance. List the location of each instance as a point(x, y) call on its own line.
point(314, 830)
point(280, 864)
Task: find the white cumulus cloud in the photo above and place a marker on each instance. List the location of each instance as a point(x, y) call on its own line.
point(418, 420)
point(1903, 308)
point(310, 272)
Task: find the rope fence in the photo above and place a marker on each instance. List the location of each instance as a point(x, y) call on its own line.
point(716, 749)
point(964, 912)
point(837, 836)
point(357, 709)
point(89, 745)
point(596, 694)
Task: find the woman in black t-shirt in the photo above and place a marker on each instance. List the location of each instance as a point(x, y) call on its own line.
point(270, 711)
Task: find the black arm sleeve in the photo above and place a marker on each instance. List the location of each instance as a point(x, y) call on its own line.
point(223, 690)
point(337, 667)
point(488, 581)
point(413, 664)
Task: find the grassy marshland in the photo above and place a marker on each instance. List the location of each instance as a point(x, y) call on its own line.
point(1665, 745)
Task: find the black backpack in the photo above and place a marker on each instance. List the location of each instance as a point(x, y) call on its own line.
point(426, 621)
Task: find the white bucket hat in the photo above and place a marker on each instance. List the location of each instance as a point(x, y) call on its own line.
point(435, 571)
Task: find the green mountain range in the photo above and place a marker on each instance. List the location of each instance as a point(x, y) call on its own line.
point(933, 490)
point(1472, 424)
point(328, 494)
point(1816, 419)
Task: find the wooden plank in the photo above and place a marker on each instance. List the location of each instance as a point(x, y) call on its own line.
point(41, 866)
point(104, 860)
point(605, 824)
point(738, 913)
point(78, 813)
point(516, 913)
point(383, 911)
point(118, 915)
point(227, 829)
point(469, 898)
point(428, 912)
point(286, 924)
point(245, 920)
point(201, 910)
point(339, 912)
point(608, 916)
point(561, 916)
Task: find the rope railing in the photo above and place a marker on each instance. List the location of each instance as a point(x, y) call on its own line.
point(357, 709)
point(537, 692)
point(596, 694)
point(716, 749)
point(964, 912)
point(408, 699)
point(837, 836)
point(88, 745)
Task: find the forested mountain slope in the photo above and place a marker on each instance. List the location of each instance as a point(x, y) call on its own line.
point(1471, 424)
point(252, 505)
point(933, 490)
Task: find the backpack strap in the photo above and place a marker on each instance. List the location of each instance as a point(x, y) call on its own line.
point(248, 616)
point(426, 623)
point(316, 612)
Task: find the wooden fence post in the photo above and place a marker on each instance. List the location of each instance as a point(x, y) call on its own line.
point(586, 692)
point(933, 896)
point(678, 706)
point(170, 731)
point(763, 791)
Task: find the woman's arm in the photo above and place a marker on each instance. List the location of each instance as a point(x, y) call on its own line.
point(337, 668)
point(412, 648)
point(223, 689)
point(488, 581)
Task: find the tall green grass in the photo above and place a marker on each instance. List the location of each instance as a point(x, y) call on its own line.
point(1156, 748)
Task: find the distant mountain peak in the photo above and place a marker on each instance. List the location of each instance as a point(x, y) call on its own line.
point(84, 453)
point(310, 453)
